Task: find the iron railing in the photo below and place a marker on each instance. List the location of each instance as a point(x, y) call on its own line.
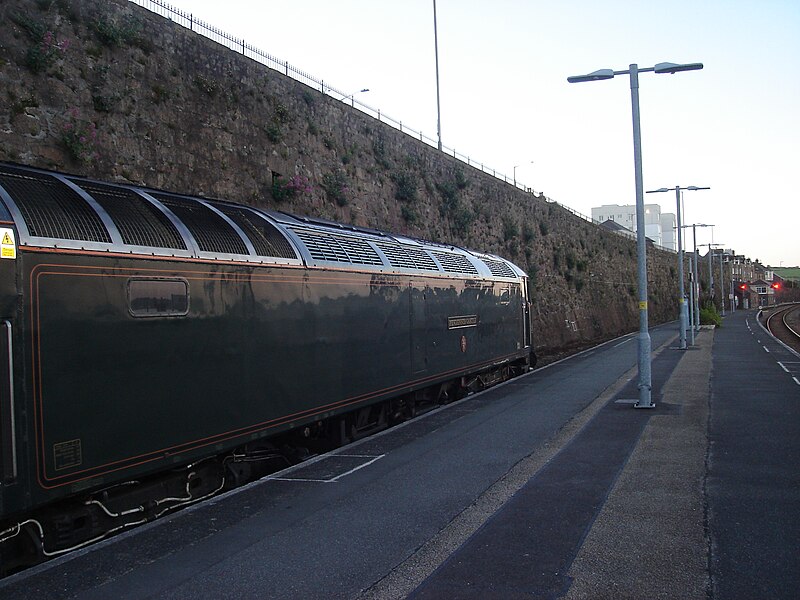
point(241, 46)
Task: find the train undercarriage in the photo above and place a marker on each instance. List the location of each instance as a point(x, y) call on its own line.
point(77, 522)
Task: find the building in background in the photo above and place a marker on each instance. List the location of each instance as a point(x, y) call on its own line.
point(669, 231)
point(658, 226)
point(741, 267)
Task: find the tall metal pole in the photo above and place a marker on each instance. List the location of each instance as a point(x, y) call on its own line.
point(683, 306)
point(721, 284)
point(711, 290)
point(691, 302)
point(438, 105)
point(696, 283)
point(645, 380)
point(682, 300)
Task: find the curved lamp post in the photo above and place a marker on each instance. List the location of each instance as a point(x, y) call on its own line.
point(515, 172)
point(352, 98)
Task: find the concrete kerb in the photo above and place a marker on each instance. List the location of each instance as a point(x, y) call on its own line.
point(650, 540)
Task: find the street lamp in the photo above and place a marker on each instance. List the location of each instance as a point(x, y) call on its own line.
point(515, 173)
point(645, 379)
point(682, 307)
point(722, 281)
point(438, 104)
point(351, 96)
point(712, 289)
point(695, 288)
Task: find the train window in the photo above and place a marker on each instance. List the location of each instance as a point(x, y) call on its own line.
point(158, 297)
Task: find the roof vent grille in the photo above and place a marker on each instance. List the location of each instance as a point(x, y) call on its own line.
point(52, 209)
point(265, 237)
point(139, 222)
point(359, 251)
point(337, 248)
point(407, 258)
point(455, 263)
point(212, 232)
point(499, 268)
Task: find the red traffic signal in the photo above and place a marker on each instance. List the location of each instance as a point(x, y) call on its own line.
point(743, 287)
point(776, 285)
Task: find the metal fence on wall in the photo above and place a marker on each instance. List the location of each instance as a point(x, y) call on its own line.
point(239, 45)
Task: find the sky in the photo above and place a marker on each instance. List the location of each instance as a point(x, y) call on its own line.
point(733, 126)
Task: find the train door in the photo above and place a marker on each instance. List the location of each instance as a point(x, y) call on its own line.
point(527, 324)
point(419, 329)
point(526, 314)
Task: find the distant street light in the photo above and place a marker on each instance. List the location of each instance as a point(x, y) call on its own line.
point(515, 173)
point(351, 96)
point(438, 104)
point(682, 307)
point(695, 293)
point(645, 379)
point(712, 290)
point(722, 280)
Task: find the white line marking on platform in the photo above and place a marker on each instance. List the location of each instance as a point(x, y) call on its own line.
point(795, 380)
point(625, 342)
point(340, 475)
point(765, 348)
point(366, 464)
point(783, 366)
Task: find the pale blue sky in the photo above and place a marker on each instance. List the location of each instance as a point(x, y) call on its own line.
point(505, 99)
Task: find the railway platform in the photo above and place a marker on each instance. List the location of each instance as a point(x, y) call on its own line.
point(549, 486)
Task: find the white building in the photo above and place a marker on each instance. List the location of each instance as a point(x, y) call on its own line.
point(669, 231)
point(657, 226)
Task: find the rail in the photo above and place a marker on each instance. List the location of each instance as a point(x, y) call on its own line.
point(783, 312)
point(188, 20)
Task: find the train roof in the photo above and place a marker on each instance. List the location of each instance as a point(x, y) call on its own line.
point(57, 210)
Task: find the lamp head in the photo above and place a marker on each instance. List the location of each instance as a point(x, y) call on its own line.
point(595, 76)
point(668, 67)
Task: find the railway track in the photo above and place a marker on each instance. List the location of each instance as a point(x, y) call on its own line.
point(783, 323)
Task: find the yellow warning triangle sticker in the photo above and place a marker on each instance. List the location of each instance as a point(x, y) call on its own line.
point(7, 239)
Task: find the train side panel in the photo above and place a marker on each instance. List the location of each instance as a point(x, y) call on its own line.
point(128, 376)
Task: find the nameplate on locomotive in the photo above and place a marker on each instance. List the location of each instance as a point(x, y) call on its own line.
point(67, 454)
point(462, 321)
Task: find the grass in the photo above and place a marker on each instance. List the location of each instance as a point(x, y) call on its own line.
point(788, 272)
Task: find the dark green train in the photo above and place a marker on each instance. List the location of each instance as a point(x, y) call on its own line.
point(155, 345)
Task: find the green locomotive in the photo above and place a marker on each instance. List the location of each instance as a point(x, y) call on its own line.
point(164, 339)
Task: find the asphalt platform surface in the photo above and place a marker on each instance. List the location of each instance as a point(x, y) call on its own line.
point(549, 486)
